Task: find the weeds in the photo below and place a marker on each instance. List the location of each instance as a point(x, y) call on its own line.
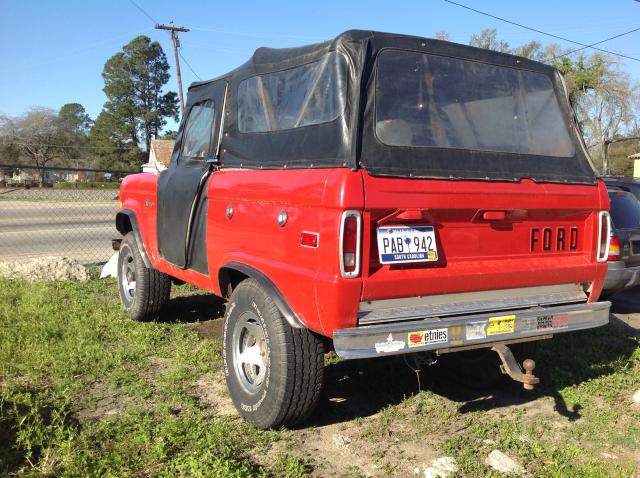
point(86, 392)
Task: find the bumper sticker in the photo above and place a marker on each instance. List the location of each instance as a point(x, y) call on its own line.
point(544, 322)
point(502, 325)
point(390, 345)
point(528, 324)
point(476, 330)
point(427, 337)
point(550, 322)
point(560, 321)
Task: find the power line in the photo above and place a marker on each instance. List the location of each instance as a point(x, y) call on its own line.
point(142, 11)
point(543, 32)
point(602, 41)
point(176, 51)
point(254, 34)
point(176, 47)
point(187, 63)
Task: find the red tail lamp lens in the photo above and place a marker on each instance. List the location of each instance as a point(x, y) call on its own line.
point(614, 249)
point(350, 244)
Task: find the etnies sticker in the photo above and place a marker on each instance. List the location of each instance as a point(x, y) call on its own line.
point(427, 337)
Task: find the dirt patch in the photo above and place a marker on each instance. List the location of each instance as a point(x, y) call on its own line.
point(211, 390)
point(158, 366)
point(209, 329)
point(102, 401)
point(631, 320)
point(341, 449)
point(51, 268)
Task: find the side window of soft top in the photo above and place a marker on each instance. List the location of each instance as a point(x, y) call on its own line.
point(198, 131)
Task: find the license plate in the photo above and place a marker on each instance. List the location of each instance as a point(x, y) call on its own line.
point(501, 325)
point(400, 244)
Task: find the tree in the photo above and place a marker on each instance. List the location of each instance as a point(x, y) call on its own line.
point(73, 118)
point(133, 80)
point(488, 39)
point(74, 124)
point(606, 112)
point(112, 148)
point(37, 134)
point(605, 100)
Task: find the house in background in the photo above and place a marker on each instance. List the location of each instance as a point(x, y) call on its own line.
point(159, 156)
point(636, 164)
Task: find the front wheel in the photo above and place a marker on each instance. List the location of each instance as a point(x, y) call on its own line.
point(274, 372)
point(143, 291)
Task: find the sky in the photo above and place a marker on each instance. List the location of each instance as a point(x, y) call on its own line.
point(53, 52)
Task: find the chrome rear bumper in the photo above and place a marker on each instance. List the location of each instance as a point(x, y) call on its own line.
point(462, 331)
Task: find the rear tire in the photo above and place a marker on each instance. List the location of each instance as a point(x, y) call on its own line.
point(274, 372)
point(481, 368)
point(143, 291)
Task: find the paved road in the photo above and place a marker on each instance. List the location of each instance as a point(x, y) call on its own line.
point(37, 228)
point(626, 307)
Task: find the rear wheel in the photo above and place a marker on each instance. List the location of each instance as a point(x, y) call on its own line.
point(143, 291)
point(274, 372)
point(481, 368)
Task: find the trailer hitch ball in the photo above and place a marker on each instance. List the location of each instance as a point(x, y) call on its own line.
point(512, 368)
point(528, 365)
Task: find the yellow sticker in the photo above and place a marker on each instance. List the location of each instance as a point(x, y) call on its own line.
point(502, 325)
point(432, 255)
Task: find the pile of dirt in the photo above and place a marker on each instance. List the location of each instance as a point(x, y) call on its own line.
point(49, 268)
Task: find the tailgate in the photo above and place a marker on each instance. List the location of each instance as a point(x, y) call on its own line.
point(487, 235)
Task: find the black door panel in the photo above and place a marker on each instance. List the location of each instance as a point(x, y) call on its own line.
point(180, 206)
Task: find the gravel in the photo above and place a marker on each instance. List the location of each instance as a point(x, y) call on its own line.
point(50, 268)
point(443, 467)
point(503, 463)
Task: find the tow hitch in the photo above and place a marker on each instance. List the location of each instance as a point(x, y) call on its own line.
point(512, 368)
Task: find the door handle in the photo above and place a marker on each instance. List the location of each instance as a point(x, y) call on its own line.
point(494, 215)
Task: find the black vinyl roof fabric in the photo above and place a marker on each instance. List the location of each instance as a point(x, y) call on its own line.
point(349, 140)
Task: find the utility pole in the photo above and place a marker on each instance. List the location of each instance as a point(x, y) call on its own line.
point(605, 145)
point(176, 44)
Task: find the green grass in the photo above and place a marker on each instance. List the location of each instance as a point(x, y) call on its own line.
point(86, 392)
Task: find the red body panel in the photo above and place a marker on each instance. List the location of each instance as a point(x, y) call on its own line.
point(475, 254)
point(478, 254)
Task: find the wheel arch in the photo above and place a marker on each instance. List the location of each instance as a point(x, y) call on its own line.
point(232, 273)
point(126, 221)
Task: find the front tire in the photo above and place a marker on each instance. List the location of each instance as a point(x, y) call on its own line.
point(274, 372)
point(143, 291)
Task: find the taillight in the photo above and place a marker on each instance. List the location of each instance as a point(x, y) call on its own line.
point(350, 227)
point(614, 249)
point(604, 231)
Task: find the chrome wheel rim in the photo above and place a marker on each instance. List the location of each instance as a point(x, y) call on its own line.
point(249, 352)
point(127, 275)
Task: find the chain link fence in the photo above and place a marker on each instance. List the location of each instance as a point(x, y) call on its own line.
point(58, 212)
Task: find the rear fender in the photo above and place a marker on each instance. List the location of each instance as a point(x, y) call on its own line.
point(225, 280)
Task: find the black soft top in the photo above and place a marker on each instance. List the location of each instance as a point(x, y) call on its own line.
point(349, 141)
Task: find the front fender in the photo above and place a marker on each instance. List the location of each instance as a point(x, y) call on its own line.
point(126, 221)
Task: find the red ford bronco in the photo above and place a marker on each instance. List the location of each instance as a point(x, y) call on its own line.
point(376, 194)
